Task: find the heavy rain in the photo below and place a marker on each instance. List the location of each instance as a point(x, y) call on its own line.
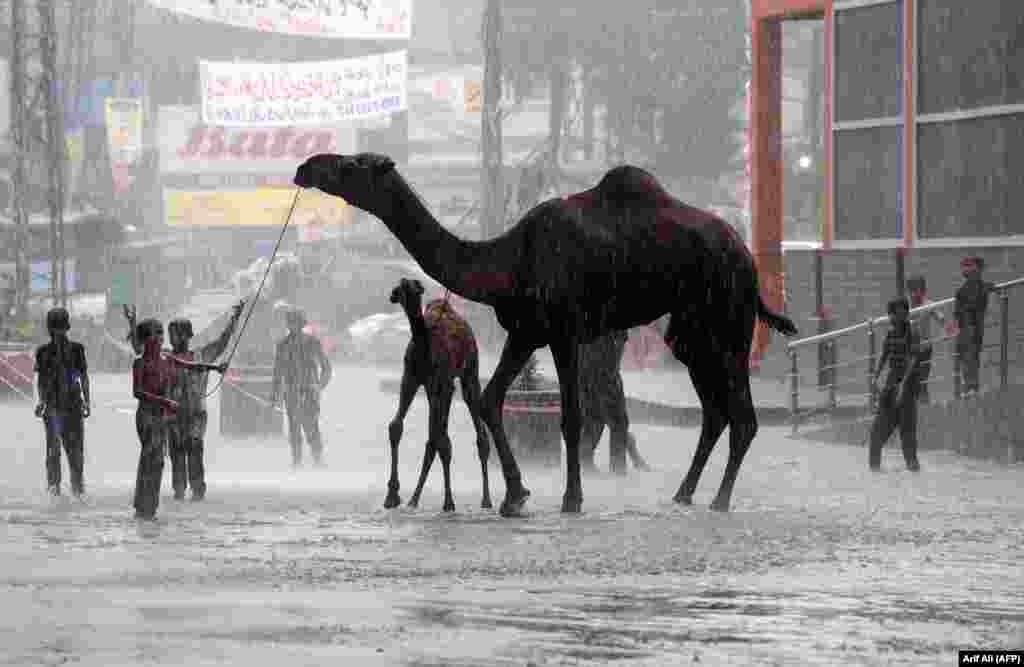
point(501, 332)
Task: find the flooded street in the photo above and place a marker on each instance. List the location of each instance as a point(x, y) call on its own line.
point(820, 561)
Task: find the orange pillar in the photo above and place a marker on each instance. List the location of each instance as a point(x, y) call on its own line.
point(766, 166)
point(827, 228)
point(908, 124)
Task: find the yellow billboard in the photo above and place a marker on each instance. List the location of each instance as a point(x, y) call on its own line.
point(259, 206)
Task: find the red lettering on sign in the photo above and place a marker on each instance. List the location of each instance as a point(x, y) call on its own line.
point(237, 146)
point(280, 145)
point(212, 143)
point(195, 142)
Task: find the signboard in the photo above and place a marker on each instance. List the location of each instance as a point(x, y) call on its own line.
point(344, 19)
point(124, 137)
point(242, 176)
point(39, 275)
point(319, 93)
point(200, 155)
point(257, 206)
point(123, 283)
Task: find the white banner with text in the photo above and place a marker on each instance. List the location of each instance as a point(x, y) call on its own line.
point(345, 19)
point(290, 94)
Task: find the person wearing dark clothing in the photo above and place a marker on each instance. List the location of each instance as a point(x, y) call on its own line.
point(603, 402)
point(152, 377)
point(969, 311)
point(897, 402)
point(301, 371)
point(917, 287)
point(188, 428)
point(63, 401)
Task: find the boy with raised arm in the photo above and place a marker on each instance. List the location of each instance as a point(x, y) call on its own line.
point(188, 388)
point(152, 376)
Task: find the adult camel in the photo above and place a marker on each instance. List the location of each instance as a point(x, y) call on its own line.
point(621, 254)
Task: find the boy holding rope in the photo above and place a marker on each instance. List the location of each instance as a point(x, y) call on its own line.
point(188, 389)
point(152, 377)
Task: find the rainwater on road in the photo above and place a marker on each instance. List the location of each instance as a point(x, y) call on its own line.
point(820, 562)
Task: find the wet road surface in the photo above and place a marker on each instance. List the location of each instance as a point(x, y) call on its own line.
point(819, 563)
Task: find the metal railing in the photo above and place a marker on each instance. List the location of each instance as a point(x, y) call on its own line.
point(833, 386)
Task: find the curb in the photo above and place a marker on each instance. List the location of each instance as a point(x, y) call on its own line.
point(658, 414)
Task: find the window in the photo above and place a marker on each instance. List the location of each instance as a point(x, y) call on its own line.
point(971, 177)
point(971, 54)
point(868, 62)
point(868, 205)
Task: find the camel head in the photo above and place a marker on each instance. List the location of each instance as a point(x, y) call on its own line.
point(408, 293)
point(354, 178)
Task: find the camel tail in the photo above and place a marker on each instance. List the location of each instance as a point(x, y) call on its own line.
point(780, 323)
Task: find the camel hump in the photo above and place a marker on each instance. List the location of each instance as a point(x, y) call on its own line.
point(452, 342)
point(626, 182)
point(441, 309)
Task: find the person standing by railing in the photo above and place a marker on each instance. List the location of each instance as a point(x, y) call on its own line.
point(969, 312)
point(897, 402)
point(918, 290)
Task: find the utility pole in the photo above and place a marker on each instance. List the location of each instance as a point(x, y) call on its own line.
point(54, 146)
point(492, 215)
point(20, 149)
point(37, 133)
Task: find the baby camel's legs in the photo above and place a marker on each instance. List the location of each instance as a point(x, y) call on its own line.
point(428, 460)
point(406, 394)
point(471, 394)
point(440, 398)
point(444, 443)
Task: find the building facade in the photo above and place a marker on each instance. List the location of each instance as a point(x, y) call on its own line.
point(924, 151)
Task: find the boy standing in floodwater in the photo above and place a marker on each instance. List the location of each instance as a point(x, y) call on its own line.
point(188, 389)
point(603, 402)
point(897, 402)
point(301, 371)
point(152, 375)
point(63, 395)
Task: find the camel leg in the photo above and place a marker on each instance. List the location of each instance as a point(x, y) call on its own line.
point(742, 429)
point(704, 378)
point(567, 356)
point(634, 453)
point(590, 436)
point(618, 427)
point(405, 396)
point(444, 444)
point(471, 395)
point(433, 401)
point(428, 460)
point(513, 358)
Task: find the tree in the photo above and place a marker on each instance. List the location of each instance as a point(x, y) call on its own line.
point(664, 74)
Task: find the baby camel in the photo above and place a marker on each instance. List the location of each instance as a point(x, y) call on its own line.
point(442, 348)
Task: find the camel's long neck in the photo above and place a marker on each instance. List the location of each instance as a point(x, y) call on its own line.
point(474, 270)
point(418, 326)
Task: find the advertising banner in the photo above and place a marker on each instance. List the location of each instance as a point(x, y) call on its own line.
point(289, 94)
point(343, 19)
point(242, 176)
point(124, 136)
point(256, 206)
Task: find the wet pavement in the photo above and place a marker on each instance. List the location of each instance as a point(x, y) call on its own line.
point(820, 561)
